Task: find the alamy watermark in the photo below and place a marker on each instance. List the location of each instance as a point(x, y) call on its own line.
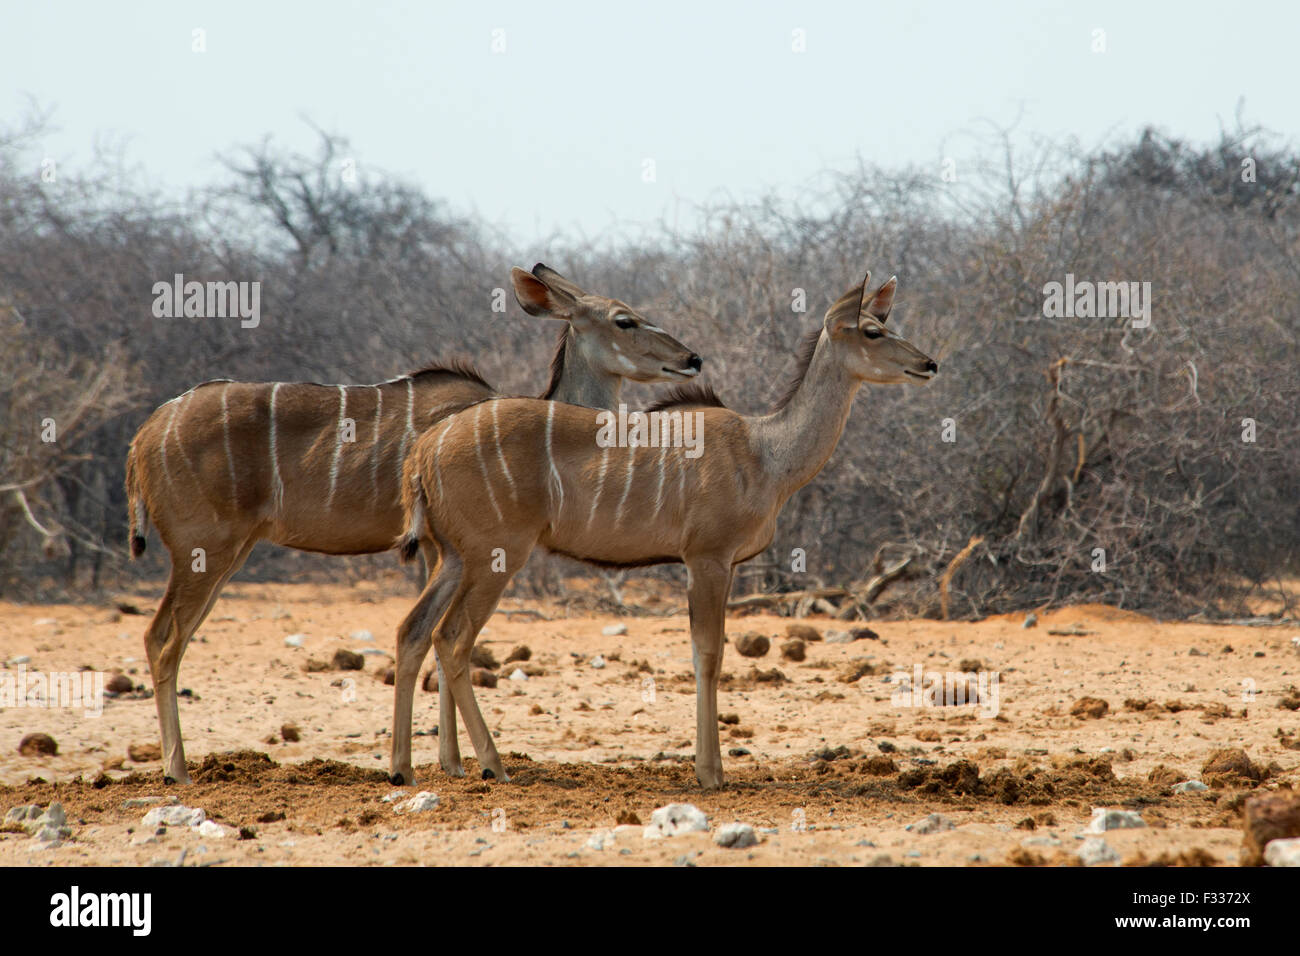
point(84, 689)
point(208, 300)
point(664, 429)
point(1085, 299)
point(924, 688)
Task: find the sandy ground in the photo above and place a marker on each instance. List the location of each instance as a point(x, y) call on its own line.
point(594, 750)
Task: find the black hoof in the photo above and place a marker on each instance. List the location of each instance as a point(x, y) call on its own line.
point(396, 780)
point(168, 780)
point(489, 775)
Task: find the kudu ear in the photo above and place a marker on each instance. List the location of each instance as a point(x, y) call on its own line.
point(879, 305)
point(537, 297)
point(557, 281)
point(845, 310)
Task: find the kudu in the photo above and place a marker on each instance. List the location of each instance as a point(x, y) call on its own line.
point(317, 467)
point(552, 479)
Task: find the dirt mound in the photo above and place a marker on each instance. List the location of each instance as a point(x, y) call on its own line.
point(237, 766)
point(319, 771)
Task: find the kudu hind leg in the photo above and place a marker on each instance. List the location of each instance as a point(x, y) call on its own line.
point(414, 638)
point(710, 585)
point(189, 598)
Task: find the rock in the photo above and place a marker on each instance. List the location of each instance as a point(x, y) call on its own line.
point(345, 660)
point(878, 766)
point(1104, 819)
point(521, 653)
point(838, 637)
point(361, 636)
point(290, 733)
point(674, 820)
point(1096, 851)
point(794, 650)
point(1047, 840)
point(1092, 707)
point(21, 815)
point(863, 634)
point(614, 630)
point(803, 632)
point(856, 670)
point(1031, 620)
point(1282, 852)
point(394, 796)
point(144, 753)
point(729, 719)
point(134, 802)
point(420, 803)
point(517, 674)
point(20, 659)
point(598, 662)
point(295, 640)
point(38, 745)
point(751, 644)
point(482, 657)
point(1190, 786)
point(482, 677)
point(627, 818)
point(1227, 764)
point(119, 684)
point(934, 823)
point(176, 815)
point(1267, 817)
point(430, 682)
point(598, 841)
point(735, 836)
point(210, 828)
point(388, 677)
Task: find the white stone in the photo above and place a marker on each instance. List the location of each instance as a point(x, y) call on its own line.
point(394, 796)
point(598, 841)
point(361, 636)
point(614, 630)
point(736, 836)
point(1190, 786)
point(1104, 819)
point(837, 637)
point(295, 640)
point(1283, 852)
point(174, 816)
point(422, 801)
point(1095, 851)
point(934, 823)
point(20, 659)
point(517, 674)
point(210, 828)
point(598, 662)
point(674, 820)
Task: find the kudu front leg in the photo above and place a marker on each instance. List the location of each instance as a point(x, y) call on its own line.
point(710, 584)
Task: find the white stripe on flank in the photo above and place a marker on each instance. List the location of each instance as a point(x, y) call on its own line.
point(482, 463)
point(374, 450)
point(410, 428)
point(277, 486)
point(600, 486)
point(627, 486)
point(338, 442)
point(550, 457)
point(659, 488)
point(496, 437)
point(225, 438)
point(681, 483)
point(437, 456)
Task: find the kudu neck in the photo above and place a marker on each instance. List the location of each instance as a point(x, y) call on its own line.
point(582, 383)
point(798, 439)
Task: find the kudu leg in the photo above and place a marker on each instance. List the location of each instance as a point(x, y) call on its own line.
point(453, 640)
point(187, 602)
point(414, 638)
point(710, 584)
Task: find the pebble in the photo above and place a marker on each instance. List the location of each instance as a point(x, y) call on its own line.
point(598, 841)
point(1046, 840)
point(422, 801)
point(751, 644)
point(518, 674)
point(210, 828)
point(934, 823)
point(598, 662)
point(294, 640)
point(20, 659)
point(1095, 851)
point(674, 820)
point(838, 637)
point(177, 815)
point(394, 796)
point(614, 630)
point(1104, 819)
point(1190, 786)
point(735, 836)
point(361, 636)
point(1283, 852)
point(1031, 620)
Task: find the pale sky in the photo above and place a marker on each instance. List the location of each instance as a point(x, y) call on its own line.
point(553, 133)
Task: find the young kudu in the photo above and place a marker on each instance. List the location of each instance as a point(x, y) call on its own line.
point(551, 478)
point(318, 467)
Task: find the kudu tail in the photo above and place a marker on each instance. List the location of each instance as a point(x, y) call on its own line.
point(137, 517)
point(414, 510)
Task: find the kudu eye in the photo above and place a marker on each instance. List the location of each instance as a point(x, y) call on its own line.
point(872, 333)
point(623, 322)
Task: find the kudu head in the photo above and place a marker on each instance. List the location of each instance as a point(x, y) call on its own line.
point(855, 325)
point(610, 335)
